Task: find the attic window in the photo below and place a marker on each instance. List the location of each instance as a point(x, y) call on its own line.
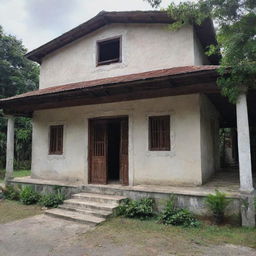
point(109, 51)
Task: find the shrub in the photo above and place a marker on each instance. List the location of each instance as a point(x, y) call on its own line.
point(2, 174)
point(177, 217)
point(29, 196)
point(141, 209)
point(217, 203)
point(11, 192)
point(52, 200)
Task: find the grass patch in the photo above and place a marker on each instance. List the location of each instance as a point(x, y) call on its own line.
point(154, 236)
point(12, 210)
point(19, 173)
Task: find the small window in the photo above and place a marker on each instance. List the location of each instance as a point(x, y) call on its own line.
point(109, 51)
point(159, 133)
point(56, 140)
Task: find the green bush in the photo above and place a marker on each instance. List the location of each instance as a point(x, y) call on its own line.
point(11, 192)
point(217, 203)
point(2, 174)
point(176, 216)
point(29, 196)
point(52, 200)
point(140, 209)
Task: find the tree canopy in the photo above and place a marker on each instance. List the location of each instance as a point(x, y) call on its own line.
point(17, 75)
point(235, 22)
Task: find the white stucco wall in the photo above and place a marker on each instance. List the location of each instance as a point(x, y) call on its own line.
point(181, 165)
point(209, 138)
point(145, 47)
point(199, 56)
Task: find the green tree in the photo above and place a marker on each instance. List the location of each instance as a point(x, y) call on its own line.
point(235, 21)
point(17, 75)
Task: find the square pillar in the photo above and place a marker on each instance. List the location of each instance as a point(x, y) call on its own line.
point(244, 146)
point(10, 148)
point(245, 163)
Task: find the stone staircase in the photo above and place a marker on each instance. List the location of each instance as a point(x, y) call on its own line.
point(87, 208)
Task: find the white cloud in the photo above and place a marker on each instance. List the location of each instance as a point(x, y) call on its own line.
point(36, 22)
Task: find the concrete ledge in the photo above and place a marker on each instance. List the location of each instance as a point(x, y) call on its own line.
point(191, 198)
point(47, 186)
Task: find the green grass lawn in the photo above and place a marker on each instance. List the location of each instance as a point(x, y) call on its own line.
point(150, 234)
point(12, 210)
point(19, 173)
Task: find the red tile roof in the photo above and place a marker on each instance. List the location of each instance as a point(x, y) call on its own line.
point(162, 73)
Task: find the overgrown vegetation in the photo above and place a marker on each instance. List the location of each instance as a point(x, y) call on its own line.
point(217, 203)
point(173, 215)
point(141, 209)
point(236, 35)
point(17, 75)
point(29, 196)
point(52, 200)
point(11, 192)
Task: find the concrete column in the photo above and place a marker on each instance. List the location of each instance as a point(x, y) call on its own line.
point(244, 149)
point(245, 163)
point(10, 148)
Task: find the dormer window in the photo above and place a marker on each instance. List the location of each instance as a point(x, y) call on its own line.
point(109, 51)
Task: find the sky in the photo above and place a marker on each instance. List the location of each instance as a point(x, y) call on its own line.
point(36, 22)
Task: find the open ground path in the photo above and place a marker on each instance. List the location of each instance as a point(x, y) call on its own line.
point(46, 236)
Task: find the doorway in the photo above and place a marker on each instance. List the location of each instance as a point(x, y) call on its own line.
point(108, 150)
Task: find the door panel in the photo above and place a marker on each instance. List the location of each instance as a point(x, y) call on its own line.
point(98, 152)
point(124, 152)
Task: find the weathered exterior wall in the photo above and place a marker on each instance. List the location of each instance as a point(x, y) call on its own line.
point(199, 56)
point(145, 47)
point(209, 138)
point(181, 165)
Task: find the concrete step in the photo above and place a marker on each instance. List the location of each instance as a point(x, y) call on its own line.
point(74, 216)
point(103, 190)
point(78, 204)
point(101, 198)
point(94, 212)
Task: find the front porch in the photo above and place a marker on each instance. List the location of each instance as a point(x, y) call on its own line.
point(190, 197)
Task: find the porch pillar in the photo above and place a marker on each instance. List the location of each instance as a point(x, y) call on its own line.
point(9, 148)
point(245, 164)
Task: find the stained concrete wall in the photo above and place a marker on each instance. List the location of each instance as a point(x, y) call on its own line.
point(210, 155)
point(181, 165)
point(199, 55)
point(145, 47)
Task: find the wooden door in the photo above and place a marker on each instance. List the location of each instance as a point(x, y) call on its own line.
point(124, 152)
point(98, 151)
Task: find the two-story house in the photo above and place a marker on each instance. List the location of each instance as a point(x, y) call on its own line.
point(125, 100)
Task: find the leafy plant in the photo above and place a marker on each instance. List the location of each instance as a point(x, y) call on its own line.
point(177, 216)
point(2, 174)
point(141, 209)
point(29, 196)
point(236, 38)
point(217, 203)
point(52, 199)
point(11, 192)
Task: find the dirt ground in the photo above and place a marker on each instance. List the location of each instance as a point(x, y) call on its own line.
point(46, 236)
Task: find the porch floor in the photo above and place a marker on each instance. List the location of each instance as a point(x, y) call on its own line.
point(226, 181)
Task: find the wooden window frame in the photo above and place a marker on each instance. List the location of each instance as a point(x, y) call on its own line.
point(167, 145)
point(116, 60)
point(57, 151)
